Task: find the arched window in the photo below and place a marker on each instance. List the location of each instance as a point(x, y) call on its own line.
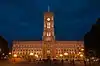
point(48, 25)
point(48, 33)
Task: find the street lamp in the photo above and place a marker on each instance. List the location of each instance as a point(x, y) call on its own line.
point(9, 53)
point(82, 49)
point(31, 54)
point(65, 54)
point(15, 55)
point(61, 55)
point(36, 55)
point(81, 55)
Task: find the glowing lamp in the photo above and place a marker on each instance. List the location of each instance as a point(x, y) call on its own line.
point(65, 53)
point(31, 53)
point(15, 55)
point(61, 55)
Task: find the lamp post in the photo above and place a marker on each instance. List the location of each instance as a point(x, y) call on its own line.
point(65, 54)
point(61, 59)
point(31, 55)
point(61, 56)
point(15, 56)
point(36, 56)
point(81, 55)
point(82, 50)
point(9, 55)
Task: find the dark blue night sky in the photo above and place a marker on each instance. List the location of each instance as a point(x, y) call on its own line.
point(23, 19)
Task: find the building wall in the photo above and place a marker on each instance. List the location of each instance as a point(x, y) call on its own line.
point(49, 46)
point(22, 48)
point(26, 47)
point(72, 48)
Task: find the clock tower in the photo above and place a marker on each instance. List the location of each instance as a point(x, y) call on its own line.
point(48, 35)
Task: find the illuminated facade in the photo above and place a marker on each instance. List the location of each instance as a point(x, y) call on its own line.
point(49, 47)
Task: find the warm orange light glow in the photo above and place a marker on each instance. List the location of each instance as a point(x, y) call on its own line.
point(36, 55)
point(48, 19)
point(61, 55)
point(31, 53)
point(82, 49)
point(9, 53)
point(15, 55)
point(65, 53)
point(79, 52)
point(81, 55)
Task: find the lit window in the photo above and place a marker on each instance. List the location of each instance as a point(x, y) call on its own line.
point(48, 25)
point(48, 34)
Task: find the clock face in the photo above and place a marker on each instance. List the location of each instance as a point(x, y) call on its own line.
point(48, 19)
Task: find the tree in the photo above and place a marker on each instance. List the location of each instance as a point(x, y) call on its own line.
point(3, 47)
point(92, 39)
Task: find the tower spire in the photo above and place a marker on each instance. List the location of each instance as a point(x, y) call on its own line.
point(48, 8)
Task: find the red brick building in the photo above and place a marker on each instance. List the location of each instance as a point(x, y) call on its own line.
point(48, 46)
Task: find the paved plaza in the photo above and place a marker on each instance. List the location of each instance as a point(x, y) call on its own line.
point(58, 63)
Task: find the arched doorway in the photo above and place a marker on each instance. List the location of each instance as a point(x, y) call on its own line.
point(48, 54)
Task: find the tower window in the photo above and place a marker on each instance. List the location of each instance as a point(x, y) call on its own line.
point(48, 34)
point(48, 25)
